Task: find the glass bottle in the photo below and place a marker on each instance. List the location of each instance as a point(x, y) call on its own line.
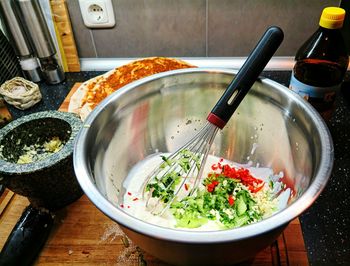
point(321, 63)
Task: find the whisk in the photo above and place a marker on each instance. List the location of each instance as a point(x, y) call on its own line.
point(187, 163)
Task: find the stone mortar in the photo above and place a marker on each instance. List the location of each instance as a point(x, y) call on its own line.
point(49, 183)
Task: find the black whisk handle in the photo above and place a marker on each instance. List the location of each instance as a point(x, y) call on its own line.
point(246, 76)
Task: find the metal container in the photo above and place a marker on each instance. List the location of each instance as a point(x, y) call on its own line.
point(153, 114)
point(12, 23)
point(44, 47)
point(35, 23)
point(20, 40)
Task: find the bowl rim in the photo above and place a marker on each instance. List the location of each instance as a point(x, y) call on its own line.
point(19, 169)
point(275, 221)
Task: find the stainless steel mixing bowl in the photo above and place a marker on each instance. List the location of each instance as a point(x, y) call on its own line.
point(160, 112)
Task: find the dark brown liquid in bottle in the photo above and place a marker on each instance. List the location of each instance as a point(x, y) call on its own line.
point(318, 72)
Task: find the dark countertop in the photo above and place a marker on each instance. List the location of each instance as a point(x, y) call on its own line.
point(326, 223)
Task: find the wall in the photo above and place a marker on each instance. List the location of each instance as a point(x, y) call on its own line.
point(199, 28)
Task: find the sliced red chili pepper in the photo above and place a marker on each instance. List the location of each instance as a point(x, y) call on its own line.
point(215, 183)
point(212, 185)
point(241, 174)
point(129, 193)
point(186, 187)
point(219, 166)
point(231, 200)
point(135, 199)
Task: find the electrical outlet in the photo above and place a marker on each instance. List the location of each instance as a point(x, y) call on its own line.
point(97, 13)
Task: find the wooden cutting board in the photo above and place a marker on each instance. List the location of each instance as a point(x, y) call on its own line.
point(83, 235)
point(5, 115)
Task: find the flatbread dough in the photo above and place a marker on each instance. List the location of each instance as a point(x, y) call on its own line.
point(93, 91)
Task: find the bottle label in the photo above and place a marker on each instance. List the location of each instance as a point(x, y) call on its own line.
point(327, 94)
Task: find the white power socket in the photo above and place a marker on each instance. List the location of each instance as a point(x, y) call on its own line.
point(97, 13)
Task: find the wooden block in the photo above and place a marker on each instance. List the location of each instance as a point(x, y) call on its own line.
point(5, 199)
point(65, 34)
point(65, 103)
point(10, 215)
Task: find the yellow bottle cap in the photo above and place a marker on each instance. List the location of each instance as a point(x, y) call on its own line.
point(332, 18)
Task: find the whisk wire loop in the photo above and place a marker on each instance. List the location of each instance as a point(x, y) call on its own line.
point(211, 136)
point(154, 175)
point(198, 148)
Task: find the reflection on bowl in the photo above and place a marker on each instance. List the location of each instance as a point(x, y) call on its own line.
point(36, 158)
point(152, 115)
